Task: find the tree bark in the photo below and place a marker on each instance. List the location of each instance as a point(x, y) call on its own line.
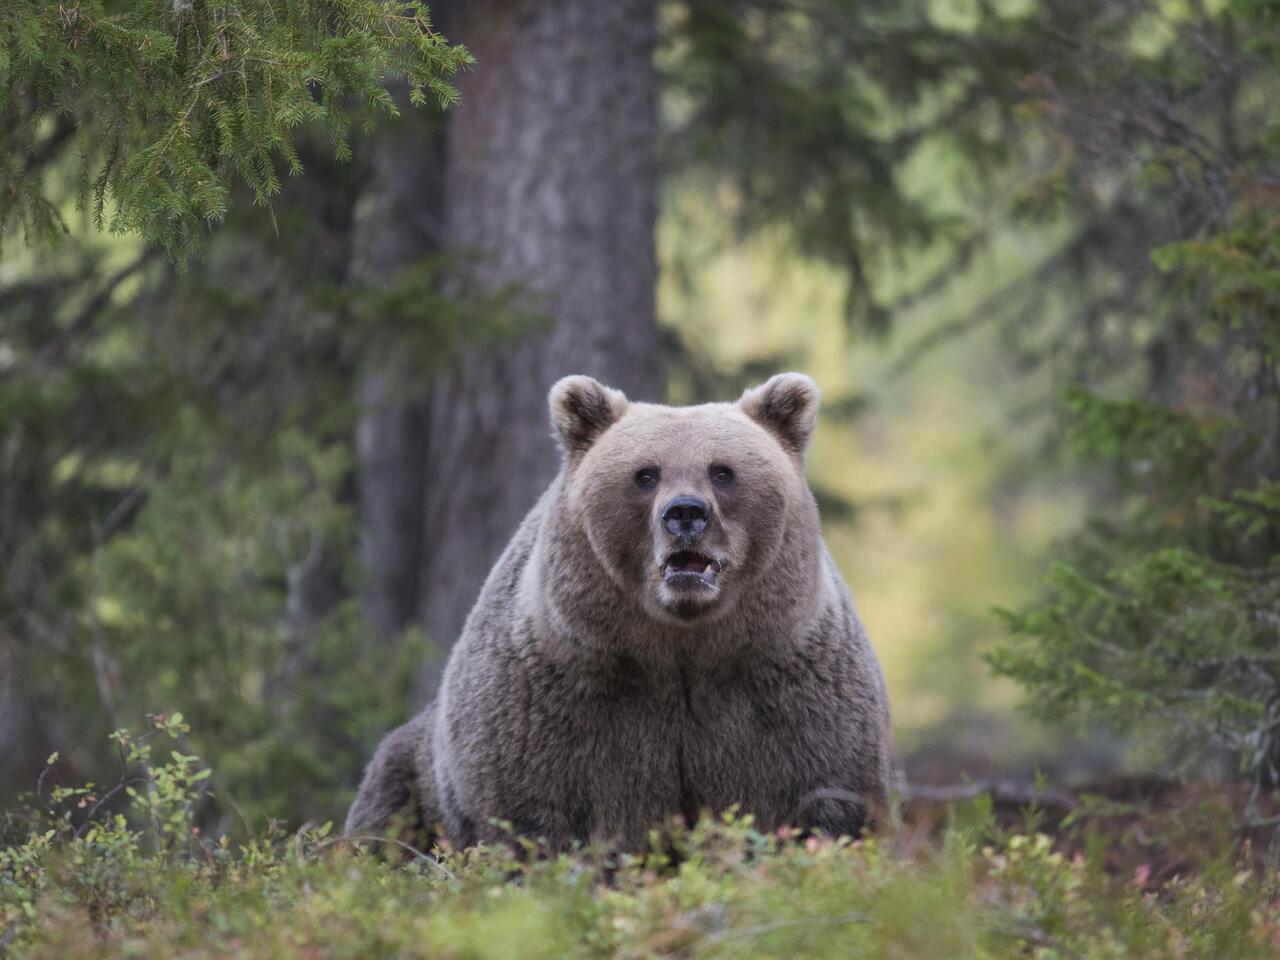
point(550, 185)
point(398, 221)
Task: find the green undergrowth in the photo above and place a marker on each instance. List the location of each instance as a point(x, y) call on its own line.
point(143, 881)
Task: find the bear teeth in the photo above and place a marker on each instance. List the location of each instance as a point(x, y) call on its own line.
point(691, 564)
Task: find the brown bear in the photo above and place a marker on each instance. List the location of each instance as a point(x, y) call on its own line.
point(665, 634)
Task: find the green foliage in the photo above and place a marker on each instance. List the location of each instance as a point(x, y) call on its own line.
point(169, 103)
point(125, 870)
point(184, 599)
point(178, 523)
point(812, 113)
point(192, 610)
point(176, 453)
point(1162, 615)
point(1157, 636)
point(189, 606)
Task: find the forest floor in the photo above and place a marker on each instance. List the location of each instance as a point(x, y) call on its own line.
point(1133, 869)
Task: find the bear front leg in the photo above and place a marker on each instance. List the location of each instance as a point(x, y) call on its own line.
point(397, 797)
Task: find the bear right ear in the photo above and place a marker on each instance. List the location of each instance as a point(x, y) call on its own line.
point(786, 405)
point(581, 410)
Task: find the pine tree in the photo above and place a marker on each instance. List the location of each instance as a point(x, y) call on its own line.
point(168, 104)
point(1161, 615)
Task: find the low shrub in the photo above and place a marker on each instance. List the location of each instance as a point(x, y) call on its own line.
point(125, 872)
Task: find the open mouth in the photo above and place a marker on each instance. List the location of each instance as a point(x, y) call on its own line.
point(687, 568)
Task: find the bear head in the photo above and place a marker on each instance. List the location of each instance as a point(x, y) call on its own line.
point(685, 509)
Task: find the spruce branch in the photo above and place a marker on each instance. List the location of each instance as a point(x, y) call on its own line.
point(168, 107)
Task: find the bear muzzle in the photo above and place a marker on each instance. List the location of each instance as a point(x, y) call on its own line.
point(691, 557)
point(690, 569)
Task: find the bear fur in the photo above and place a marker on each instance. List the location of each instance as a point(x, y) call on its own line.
point(630, 658)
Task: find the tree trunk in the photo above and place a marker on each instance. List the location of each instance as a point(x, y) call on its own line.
point(550, 184)
point(397, 223)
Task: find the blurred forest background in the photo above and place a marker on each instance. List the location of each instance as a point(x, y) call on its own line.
point(275, 340)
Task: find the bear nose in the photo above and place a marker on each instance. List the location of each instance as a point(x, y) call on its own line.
point(685, 516)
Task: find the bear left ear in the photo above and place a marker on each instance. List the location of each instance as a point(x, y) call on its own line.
point(787, 406)
point(581, 410)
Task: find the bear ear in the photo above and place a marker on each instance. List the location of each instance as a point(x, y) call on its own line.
point(581, 410)
point(787, 406)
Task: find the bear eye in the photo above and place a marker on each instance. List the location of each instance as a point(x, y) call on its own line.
point(647, 478)
point(720, 474)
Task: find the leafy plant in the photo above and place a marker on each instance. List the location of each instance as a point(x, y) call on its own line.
point(102, 880)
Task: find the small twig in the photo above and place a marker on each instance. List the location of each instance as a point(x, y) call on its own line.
point(40, 782)
point(88, 822)
point(231, 802)
point(55, 348)
point(369, 838)
point(1255, 823)
point(47, 149)
point(120, 513)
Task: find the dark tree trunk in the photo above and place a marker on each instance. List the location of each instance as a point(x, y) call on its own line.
point(13, 730)
point(550, 184)
point(547, 177)
point(398, 221)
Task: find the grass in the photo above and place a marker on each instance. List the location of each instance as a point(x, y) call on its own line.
point(143, 882)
